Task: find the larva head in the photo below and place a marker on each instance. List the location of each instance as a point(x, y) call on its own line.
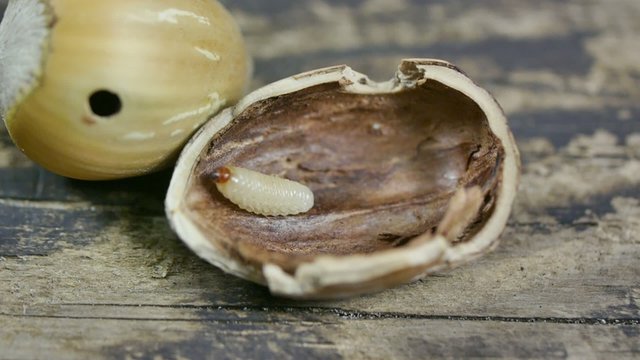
point(220, 175)
point(409, 176)
point(111, 89)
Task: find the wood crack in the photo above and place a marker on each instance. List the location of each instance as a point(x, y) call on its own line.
point(345, 314)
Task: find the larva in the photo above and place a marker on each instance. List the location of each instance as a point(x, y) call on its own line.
point(262, 194)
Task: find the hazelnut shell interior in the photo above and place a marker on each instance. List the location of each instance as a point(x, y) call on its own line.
point(409, 176)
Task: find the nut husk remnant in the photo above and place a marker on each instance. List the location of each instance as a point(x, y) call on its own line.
point(410, 176)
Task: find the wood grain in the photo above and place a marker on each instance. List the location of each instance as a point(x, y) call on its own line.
point(92, 269)
point(252, 334)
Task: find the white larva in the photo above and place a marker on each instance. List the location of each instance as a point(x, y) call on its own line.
point(262, 194)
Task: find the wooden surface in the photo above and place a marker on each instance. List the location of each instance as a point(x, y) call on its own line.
point(92, 269)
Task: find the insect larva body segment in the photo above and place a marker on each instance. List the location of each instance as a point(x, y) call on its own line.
point(263, 194)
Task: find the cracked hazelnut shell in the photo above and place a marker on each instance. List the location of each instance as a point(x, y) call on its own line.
point(410, 176)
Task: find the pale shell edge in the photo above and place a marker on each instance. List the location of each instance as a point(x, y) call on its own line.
point(331, 271)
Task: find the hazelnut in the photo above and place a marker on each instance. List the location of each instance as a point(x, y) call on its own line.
point(111, 89)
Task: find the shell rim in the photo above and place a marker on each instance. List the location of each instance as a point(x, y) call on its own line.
point(328, 271)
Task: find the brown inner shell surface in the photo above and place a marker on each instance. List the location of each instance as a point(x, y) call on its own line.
point(382, 168)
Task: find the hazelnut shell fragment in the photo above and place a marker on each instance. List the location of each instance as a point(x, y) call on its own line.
point(411, 176)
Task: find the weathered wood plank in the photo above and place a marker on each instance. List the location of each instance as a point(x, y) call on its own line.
point(107, 218)
point(572, 265)
point(232, 334)
point(557, 71)
point(92, 269)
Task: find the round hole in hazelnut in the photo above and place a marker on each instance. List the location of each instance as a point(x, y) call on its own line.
point(105, 103)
